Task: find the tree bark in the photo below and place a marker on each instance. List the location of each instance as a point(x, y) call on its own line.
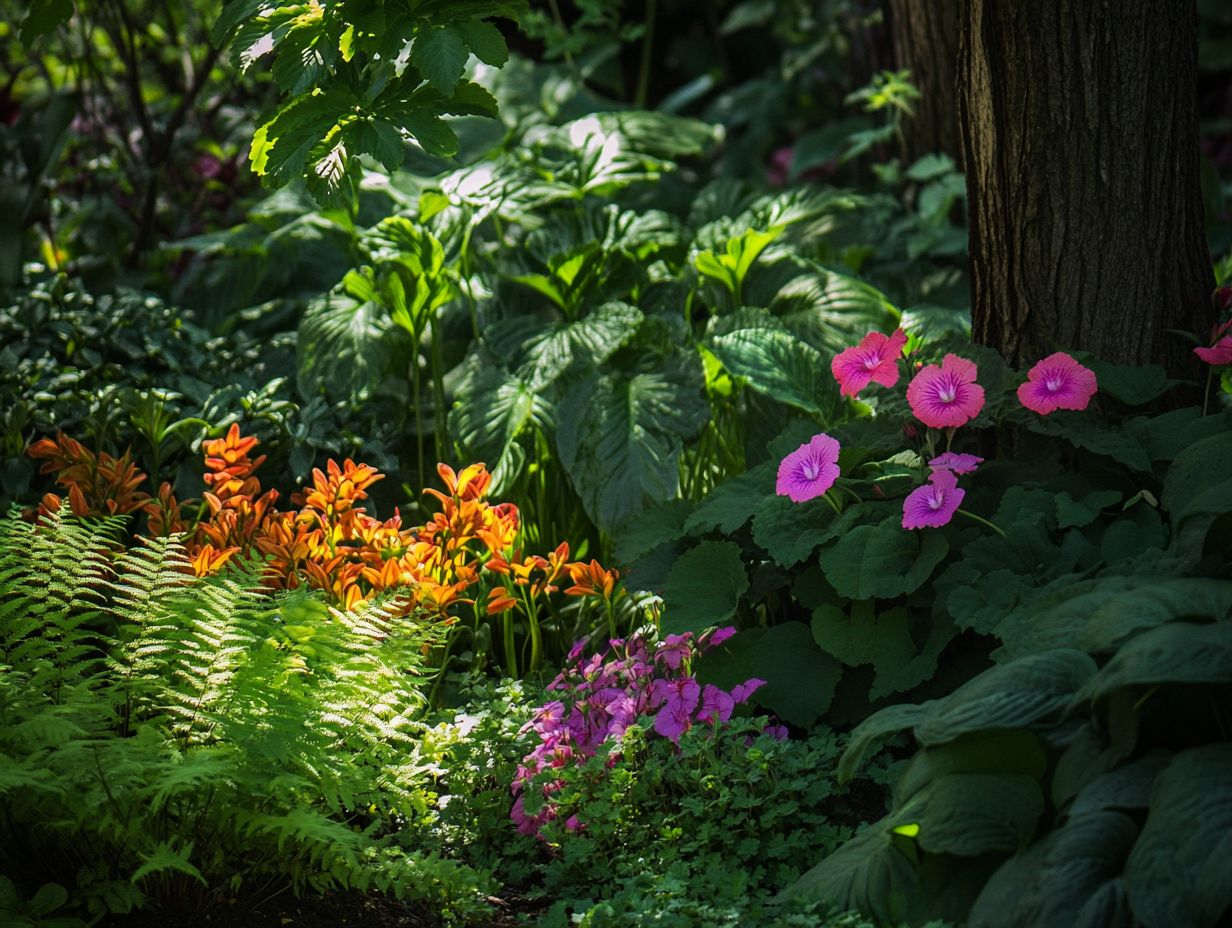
point(1080, 135)
point(925, 34)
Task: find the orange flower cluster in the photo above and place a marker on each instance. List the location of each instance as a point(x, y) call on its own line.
point(329, 541)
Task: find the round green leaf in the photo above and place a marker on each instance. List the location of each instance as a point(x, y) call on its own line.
point(704, 587)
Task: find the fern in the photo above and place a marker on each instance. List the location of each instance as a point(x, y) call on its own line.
point(165, 736)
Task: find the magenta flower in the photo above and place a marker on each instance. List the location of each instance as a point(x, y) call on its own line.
point(946, 396)
point(679, 699)
point(874, 360)
point(718, 636)
point(808, 471)
point(1057, 382)
point(674, 649)
point(716, 705)
point(934, 504)
point(958, 463)
point(1220, 351)
point(742, 691)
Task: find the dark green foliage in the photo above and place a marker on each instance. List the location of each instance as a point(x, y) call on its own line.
point(166, 739)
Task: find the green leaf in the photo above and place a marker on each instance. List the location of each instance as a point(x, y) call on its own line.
point(499, 406)
point(347, 346)
point(800, 678)
point(999, 751)
point(1149, 604)
point(44, 16)
point(1180, 870)
point(1133, 385)
point(1194, 523)
point(789, 531)
point(733, 502)
point(165, 856)
point(440, 54)
point(1018, 694)
point(1084, 431)
point(1200, 466)
point(47, 898)
point(1126, 787)
point(485, 42)
point(233, 13)
point(432, 133)
point(704, 587)
point(968, 814)
point(874, 731)
point(781, 366)
point(881, 561)
point(1075, 513)
point(620, 436)
point(1071, 877)
point(1180, 652)
point(650, 528)
point(542, 354)
point(380, 139)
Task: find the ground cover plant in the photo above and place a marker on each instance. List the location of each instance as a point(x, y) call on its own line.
point(611, 463)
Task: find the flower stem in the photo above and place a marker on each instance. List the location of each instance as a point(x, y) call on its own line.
point(838, 510)
point(1206, 395)
point(982, 521)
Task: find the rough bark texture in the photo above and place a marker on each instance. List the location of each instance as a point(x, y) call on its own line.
point(926, 43)
point(1080, 135)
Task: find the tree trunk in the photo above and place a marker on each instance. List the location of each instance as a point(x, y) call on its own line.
point(926, 43)
point(1080, 135)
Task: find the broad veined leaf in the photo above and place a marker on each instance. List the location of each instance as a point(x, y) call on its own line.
point(1179, 652)
point(541, 354)
point(440, 54)
point(620, 436)
point(881, 560)
point(1125, 787)
point(968, 814)
point(704, 587)
point(347, 345)
point(1180, 870)
point(875, 730)
point(789, 531)
point(498, 407)
point(734, 501)
point(1196, 469)
point(780, 365)
point(1153, 603)
point(832, 311)
point(1084, 431)
point(1000, 751)
point(1072, 877)
point(651, 528)
point(800, 677)
point(1014, 695)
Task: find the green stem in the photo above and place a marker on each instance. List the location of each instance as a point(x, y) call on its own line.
point(511, 655)
point(643, 75)
point(415, 404)
point(838, 510)
point(440, 418)
point(982, 521)
point(1206, 396)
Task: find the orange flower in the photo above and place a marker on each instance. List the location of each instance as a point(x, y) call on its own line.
point(591, 580)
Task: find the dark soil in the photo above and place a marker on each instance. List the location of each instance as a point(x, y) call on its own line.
point(328, 910)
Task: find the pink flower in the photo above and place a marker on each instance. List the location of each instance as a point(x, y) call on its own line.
point(808, 471)
point(946, 396)
point(1057, 382)
point(674, 649)
point(958, 463)
point(875, 359)
point(933, 504)
point(1220, 351)
point(776, 731)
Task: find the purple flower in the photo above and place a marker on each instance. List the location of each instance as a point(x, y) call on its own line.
point(958, 463)
point(777, 732)
point(719, 635)
point(679, 700)
point(674, 649)
point(742, 691)
point(717, 705)
point(808, 471)
point(1058, 382)
point(933, 504)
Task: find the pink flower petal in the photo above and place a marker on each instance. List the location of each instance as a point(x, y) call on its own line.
point(874, 360)
point(1057, 382)
point(958, 463)
point(808, 471)
point(946, 396)
point(933, 504)
point(1219, 353)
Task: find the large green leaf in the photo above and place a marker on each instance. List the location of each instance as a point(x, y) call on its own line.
point(541, 354)
point(44, 16)
point(1180, 870)
point(875, 730)
point(882, 560)
point(968, 814)
point(789, 531)
point(1070, 878)
point(494, 408)
point(1196, 469)
point(440, 54)
point(832, 311)
point(1018, 694)
point(999, 751)
point(704, 587)
point(620, 436)
point(733, 502)
point(800, 678)
point(780, 365)
point(1180, 652)
point(1152, 603)
point(1084, 430)
point(348, 346)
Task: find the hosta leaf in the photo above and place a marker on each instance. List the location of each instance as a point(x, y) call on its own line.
point(1070, 878)
point(1179, 652)
point(704, 587)
point(882, 560)
point(1200, 466)
point(541, 354)
point(1153, 603)
point(781, 366)
point(832, 311)
point(1180, 870)
point(347, 347)
point(1126, 787)
point(620, 436)
point(875, 730)
point(1013, 695)
point(498, 407)
point(999, 751)
point(968, 814)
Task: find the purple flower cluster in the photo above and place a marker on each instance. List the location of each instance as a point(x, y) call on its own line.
point(600, 698)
